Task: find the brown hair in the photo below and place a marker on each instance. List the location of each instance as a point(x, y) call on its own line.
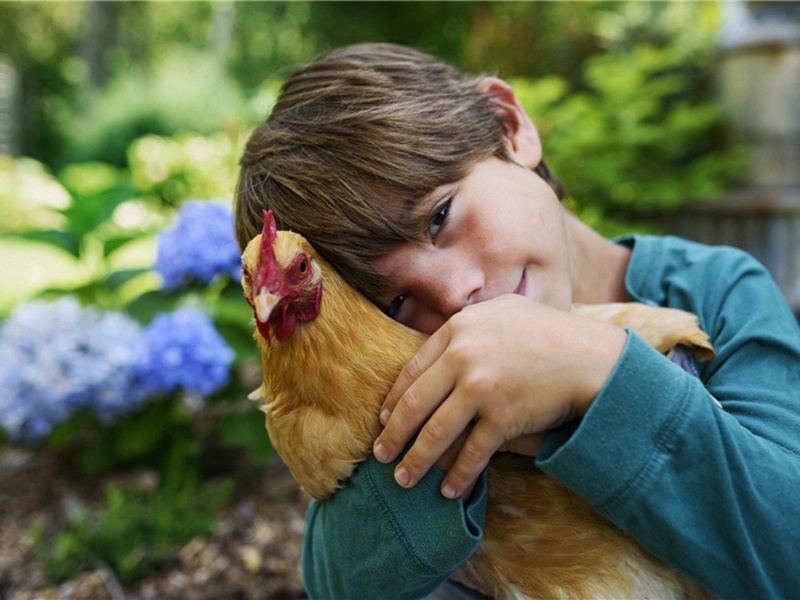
point(355, 144)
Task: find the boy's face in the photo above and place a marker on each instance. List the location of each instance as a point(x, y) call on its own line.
point(500, 230)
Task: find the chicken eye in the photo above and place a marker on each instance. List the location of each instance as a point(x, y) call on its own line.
point(394, 306)
point(303, 267)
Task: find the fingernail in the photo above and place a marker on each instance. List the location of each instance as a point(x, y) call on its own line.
point(381, 453)
point(448, 491)
point(401, 476)
point(384, 416)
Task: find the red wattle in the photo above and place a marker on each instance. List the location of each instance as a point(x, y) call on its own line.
point(286, 325)
point(263, 329)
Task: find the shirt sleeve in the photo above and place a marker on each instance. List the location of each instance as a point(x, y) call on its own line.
point(713, 491)
point(374, 539)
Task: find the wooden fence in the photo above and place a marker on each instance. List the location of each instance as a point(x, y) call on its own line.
point(766, 224)
point(758, 80)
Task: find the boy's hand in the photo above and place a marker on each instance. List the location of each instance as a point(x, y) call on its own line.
point(503, 368)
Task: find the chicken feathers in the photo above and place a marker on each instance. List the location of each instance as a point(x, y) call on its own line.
point(324, 386)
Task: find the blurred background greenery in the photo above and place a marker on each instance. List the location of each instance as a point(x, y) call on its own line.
point(623, 93)
point(121, 112)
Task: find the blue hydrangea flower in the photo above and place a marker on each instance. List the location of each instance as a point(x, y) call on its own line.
point(183, 350)
point(58, 358)
point(199, 246)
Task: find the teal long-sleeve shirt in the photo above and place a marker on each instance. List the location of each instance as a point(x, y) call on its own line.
point(713, 491)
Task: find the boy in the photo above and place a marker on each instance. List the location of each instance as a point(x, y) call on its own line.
point(427, 190)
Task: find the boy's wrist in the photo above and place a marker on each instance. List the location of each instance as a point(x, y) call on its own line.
point(601, 358)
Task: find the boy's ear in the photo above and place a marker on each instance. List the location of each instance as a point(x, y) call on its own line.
point(526, 148)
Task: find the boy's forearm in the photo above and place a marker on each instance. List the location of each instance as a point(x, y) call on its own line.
point(690, 518)
point(373, 539)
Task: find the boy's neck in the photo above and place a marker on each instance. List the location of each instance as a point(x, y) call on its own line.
point(599, 265)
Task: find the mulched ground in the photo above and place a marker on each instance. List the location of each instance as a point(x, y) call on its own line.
point(253, 553)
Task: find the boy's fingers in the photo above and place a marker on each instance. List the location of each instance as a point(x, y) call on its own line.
point(475, 454)
point(412, 410)
point(427, 354)
point(435, 439)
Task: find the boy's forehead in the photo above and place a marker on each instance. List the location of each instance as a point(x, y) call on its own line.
point(393, 262)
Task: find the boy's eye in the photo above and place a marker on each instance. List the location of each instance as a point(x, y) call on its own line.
point(439, 219)
point(394, 306)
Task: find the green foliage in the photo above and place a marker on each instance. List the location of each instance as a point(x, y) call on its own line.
point(102, 209)
point(94, 211)
point(136, 533)
point(160, 436)
point(246, 431)
point(172, 169)
point(91, 230)
point(630, 142)
point(119, 63)
point(40, 41)
point(182, 92)
point(28, 195)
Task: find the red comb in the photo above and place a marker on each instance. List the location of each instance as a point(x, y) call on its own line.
point(268, 268)
point(270, 231)
point(269, 234)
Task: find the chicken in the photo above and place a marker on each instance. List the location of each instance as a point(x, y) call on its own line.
point(329, 358)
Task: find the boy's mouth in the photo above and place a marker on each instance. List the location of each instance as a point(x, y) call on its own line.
point(523, 285)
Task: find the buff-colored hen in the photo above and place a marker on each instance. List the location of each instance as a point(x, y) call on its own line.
point(329, 358)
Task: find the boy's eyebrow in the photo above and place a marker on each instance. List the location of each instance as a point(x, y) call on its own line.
point(431, 203)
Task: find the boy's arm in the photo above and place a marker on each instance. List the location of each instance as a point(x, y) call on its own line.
point(374, 539)
point(710, 490)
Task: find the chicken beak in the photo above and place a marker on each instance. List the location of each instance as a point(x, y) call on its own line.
point(264, 304)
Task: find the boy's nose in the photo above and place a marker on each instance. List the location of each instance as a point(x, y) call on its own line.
point(455, 290)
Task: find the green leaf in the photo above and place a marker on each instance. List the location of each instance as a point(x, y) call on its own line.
point(96, 458)
point(119, 278)
point(89, 178)
point(59, 239)
point(96, 189)
point(233, 309)
point(247, 430)
point(70, 429)
point(87, 213)
point(148, 305)
point(141, 434)
point(113, 244)
point(240, 339)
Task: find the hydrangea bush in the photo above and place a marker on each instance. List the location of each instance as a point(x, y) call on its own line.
point(183, 350)
point(106, 388)
point(59, 358)
point(198, 247)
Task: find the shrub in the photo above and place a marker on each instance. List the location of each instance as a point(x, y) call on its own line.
point(631, 142)
point(182, 92)
point(182, 350)
point(198, 247)
point(136, 532)
point(57, 359)
point(139, 379)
